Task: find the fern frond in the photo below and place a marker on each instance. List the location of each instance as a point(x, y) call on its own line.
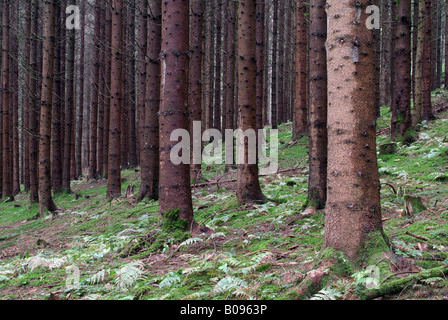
point(190, 241)
point(130, 273)
point(171, 279)
point(98, 277)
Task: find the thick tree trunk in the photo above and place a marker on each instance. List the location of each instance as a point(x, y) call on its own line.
point(317, 183)
point(114, 174)
point(45, 199)
point(174, 188)
point(248, 187)
point(353, 212)
point(401, 121)
point(149, 157)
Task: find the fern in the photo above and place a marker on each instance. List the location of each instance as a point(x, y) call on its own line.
point(98, 277)
point(229, 284)
point(3, 278)
point(190, 241)
point(326, 294)
point(130, 273)
point(172, 279)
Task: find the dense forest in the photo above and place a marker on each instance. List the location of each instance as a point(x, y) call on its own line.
point(224, 150)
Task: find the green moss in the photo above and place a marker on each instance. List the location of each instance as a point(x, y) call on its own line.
point(339, 263)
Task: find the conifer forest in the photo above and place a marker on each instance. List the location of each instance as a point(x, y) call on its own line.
point(234, 151)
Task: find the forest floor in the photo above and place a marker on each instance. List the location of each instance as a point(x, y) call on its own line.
point(254, 252)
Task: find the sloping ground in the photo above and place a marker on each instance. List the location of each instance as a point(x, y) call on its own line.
point(95, 249)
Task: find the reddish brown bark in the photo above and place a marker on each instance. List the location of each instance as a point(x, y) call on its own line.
point(174, 189)
point(300, 117)
point(114, 173)
point(427, 113)
point(229, 80)
point(248, 186)
point(401, 120)
point(45, 199)
point(317, 182)
point(149, 157)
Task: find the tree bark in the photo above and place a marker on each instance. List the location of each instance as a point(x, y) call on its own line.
point(300, 112)
point(353, 212)
point(317, 183)
point(427, 113)
point(45, 199)
point(418, 86)
point(248, 187)
point(114, 174)
point(149, 157)
point(401, 121)
point(174, 188)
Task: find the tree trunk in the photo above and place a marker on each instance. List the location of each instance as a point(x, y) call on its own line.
point(401, 121)
point(79, 128)
point(218, 69)
point(114, 173)
point(45, 199)
point(317, 182)
point(195, 85)
point(7, 191)
point(275, 45)
point(69, 108)
point(93, 132)
point(141, 71)
point(260, 6)
point(174, 188)
point(386, 53)
point(418, 86)
point(248, 187)
point(300, 112)
point(427, 113)
point(34, 107)
point(229, 80)
point(353, 212)
point(149, 157)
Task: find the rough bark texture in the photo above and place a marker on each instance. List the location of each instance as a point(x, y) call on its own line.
point(401, 120)
point(300, 113)
point(114, 174)
point(45, 199)
point(317, 183)
point(174, 188)
point(248, 186)
point(229, 80)
point(149, 157)
point(353, 212)
point(260, 61)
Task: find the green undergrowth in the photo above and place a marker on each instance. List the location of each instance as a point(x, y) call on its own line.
point(121, 249)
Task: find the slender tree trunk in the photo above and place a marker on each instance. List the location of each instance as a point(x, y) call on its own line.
point(149, 157)
point(218, 69)
point(141, 71)
point(446, 46)
point(195, 85)
point(7, 191)
point(107, 74)
point(174, 188)
point(300, 113)
point(114, 174)
point(353, 211)
point(79, 129)
point(317, 183)
point(401, 120)
point(93, 174)
point(69, 107)
point(427, 113)
point(418, 87)
point(132, 132)
point(275, 45)
point(45, 199)
point(34, 107)
point(27, 100)
point(281, 62)
point(248, 187)
point(260, 6)
point(386, 49)
point(229, 80)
